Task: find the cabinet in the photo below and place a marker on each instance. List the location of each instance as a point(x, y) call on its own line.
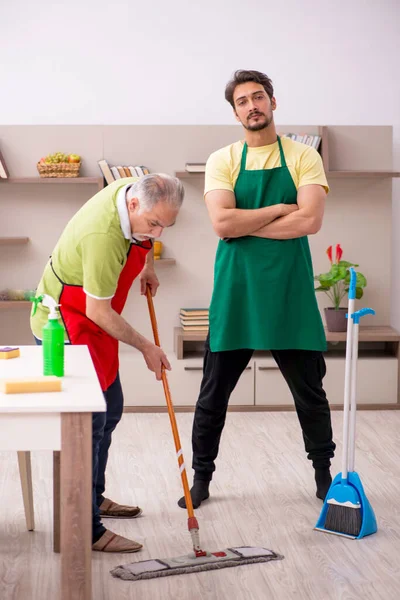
point(143, 391)
point(378, 370)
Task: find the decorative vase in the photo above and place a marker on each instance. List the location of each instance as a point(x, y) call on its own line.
point(336, 319)
point(158, 248)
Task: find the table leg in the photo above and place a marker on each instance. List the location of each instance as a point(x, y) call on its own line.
point(25, 473)
point(76, 506)
point(56, 501)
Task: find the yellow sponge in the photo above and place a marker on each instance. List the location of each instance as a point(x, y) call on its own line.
point(8, 352)
point(26, 385)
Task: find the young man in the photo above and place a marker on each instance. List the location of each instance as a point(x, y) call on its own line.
point(102, 250)
point(264, 195)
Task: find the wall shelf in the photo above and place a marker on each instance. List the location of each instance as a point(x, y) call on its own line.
point(48, 180)
point(6, 304)
point(13, 241)
point(367, 334)
point(359, 174)
point(165, 261)
point(188, 175)
point(329, 174)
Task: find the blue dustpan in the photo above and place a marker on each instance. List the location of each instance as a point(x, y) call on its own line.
point(352, 491)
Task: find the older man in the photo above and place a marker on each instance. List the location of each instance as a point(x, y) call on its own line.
point(105, 246)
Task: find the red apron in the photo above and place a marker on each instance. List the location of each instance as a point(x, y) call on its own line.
point(82, 331)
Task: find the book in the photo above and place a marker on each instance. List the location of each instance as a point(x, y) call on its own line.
point(304, 138)
point(4, 174)
point(195, 328)
point(195, 167)
point(194, 322)
point(115, 172)
point(194, 316)
point(106, 171)
point(121, 172)
point(127, 172)
point(191, 312)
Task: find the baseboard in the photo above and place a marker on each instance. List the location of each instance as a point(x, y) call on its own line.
point(249, 408)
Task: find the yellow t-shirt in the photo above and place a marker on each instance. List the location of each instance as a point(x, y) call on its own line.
point(304, 164)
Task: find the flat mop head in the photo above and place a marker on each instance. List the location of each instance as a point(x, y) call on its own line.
point(228, 557)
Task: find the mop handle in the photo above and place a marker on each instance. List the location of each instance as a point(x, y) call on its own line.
point(181, 462)
point(352, 434)
point(347, 376)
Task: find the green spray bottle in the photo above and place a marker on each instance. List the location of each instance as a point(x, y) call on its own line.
point(52, 338)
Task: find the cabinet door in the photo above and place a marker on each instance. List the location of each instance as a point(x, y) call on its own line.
point(271, 388)
point(376, 380)
point(141, 388)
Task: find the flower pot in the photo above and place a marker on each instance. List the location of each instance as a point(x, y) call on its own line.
point(336, 319)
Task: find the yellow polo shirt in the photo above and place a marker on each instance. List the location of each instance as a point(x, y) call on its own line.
point(304, 164)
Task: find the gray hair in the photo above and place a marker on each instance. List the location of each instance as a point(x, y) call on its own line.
point(157, 187)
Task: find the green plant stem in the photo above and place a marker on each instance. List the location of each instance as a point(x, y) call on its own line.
point(330, 296)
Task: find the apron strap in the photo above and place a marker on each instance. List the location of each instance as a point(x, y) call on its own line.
point(283, 159)
point(244, 157)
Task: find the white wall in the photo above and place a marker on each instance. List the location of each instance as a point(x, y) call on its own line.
point(97, 62)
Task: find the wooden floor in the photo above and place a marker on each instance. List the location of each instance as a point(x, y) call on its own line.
point(263, 494)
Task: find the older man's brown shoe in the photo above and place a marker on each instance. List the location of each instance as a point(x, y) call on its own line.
point(112, 542)
point(112, 510)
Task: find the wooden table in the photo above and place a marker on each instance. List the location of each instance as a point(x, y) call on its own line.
point(60, 421)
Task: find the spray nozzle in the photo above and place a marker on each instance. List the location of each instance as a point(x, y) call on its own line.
point(48, 301)
point(35, 302)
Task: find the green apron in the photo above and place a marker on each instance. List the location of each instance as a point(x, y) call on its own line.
point(263, 296)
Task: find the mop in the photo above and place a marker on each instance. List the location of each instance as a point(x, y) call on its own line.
point(199, 559)
point(346, 510)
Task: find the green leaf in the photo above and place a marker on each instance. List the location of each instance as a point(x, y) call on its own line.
point(345, 263)
point(361, 280)
point(324, 278)
point(359, 293)
point(322, 288)
point(339, 273)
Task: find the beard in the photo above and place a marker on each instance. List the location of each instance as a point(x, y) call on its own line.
point(262, 124)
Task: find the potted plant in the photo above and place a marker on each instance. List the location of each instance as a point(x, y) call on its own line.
point(335, 284)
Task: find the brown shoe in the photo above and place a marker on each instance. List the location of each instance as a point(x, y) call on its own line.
point(112, 510)
point(112, 542)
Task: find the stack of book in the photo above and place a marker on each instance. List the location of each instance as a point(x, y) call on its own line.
point(111, 174)
point(194, 319)
point(310, 140)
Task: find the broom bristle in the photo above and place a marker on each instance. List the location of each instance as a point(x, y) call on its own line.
point(343, 519)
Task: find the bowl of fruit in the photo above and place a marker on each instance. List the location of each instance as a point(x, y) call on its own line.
point(59, 164)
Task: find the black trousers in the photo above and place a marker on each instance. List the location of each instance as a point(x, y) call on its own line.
point(303, 371)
